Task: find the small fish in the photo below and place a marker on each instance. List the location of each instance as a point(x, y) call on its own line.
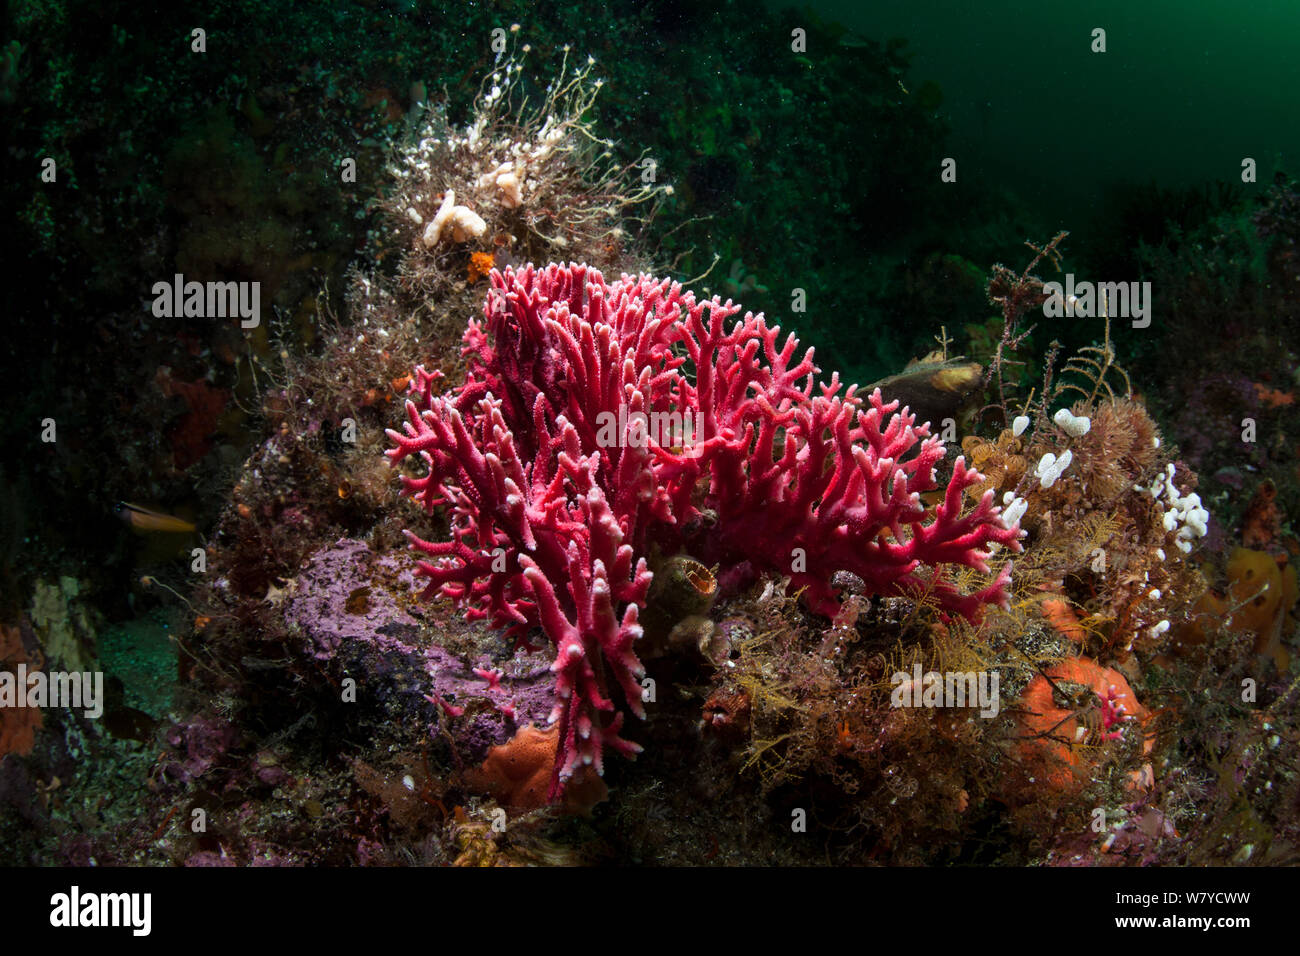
point(142, 519)
point(934, 390)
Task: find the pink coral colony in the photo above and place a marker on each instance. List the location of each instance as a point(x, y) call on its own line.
point(556, 490)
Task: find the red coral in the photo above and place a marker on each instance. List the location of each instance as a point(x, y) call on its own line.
point(557, 489)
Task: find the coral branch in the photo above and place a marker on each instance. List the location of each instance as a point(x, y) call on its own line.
point(598, 421)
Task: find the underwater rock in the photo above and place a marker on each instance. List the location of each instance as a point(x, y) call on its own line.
point(337, 603)
point(64, 623)
point(350, 606)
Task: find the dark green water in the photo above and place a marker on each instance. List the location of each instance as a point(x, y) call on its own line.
point(1184, 91)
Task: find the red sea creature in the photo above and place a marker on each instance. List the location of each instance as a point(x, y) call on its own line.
point(600, 419)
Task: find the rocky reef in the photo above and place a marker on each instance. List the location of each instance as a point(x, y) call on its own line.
point(533, 554)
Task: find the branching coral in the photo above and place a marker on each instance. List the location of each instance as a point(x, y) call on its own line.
point(557, 491)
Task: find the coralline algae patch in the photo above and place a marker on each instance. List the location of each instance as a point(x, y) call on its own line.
point(349, 606)
point(337, 602)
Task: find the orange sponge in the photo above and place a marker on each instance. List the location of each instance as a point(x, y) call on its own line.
point(1263, 594)
point(1061, 743)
